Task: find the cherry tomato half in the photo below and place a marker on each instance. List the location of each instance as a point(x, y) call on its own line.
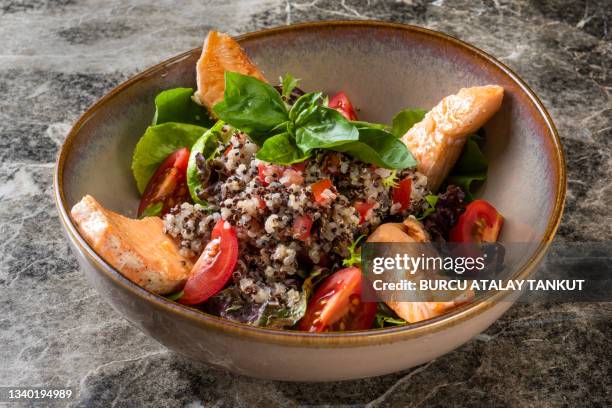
point(337, 305)
point(214, 267)
point(341, 103)
point(479, 223)
point(401, 193)
point(168, 184)
point(363, 208)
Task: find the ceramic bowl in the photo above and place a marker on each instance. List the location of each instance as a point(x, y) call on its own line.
point(384, 68)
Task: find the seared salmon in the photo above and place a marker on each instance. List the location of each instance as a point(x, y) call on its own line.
point(220, 53)
point(139, 249)
point(437, 141)
point(411, 230)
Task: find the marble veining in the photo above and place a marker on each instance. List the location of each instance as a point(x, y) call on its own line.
point(59, 56)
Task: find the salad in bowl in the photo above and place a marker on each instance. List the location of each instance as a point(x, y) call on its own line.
point(256, 198)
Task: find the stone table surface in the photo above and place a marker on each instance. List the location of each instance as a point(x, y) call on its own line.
point(59, 56)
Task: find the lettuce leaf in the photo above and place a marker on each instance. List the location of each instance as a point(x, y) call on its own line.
point(176, 105)
point(405, 119)
point(157, 143)
point(230, 304)
point(207, 145)
point(470, 167)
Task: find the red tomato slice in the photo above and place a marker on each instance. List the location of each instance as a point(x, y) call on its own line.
point(363, 208)
point(301, 227)
point(341, 103)
point(401, 193)
point(214, 267)
point(168, 184)
point(337, 304)
point(318, 188)
point(479, 223)
point(260, 174)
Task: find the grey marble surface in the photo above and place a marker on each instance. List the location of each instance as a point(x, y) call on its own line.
point(58, 56)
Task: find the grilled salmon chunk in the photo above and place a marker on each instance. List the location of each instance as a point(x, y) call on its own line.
point(139, 249)
point(220, 53)
point(437, 141)
point(412, 230)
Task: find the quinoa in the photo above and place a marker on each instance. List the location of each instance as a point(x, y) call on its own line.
point(267, 204)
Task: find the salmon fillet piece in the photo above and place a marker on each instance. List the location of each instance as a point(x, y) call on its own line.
point(411, 230)
point(437, 141)
point(138, 249)
point(220, 53)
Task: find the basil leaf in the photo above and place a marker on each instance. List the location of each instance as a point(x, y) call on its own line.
point(157, 143)
point(471, 167)
point(380, 148)
point(318, 127)
point(406, 119)
point(153, 210)
point(251, 105)
point(281, 149)
point(207, 146)
point(176, 105)
point(304, 107)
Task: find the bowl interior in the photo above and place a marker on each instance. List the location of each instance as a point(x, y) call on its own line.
point(383, 68)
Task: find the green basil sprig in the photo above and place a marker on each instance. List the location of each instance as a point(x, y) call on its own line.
point(290, 136)
point(251, 105)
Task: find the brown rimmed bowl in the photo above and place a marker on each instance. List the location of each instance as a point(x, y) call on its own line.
point(383, 67)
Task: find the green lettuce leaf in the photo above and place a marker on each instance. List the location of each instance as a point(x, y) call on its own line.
point(207, 145)
point(405, 119)
point(230, 304)
point(157, 143)
point(471, 167)
point(251, 105)
point(176, 105)
point(380, 148)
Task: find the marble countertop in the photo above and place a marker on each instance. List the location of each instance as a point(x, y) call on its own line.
point(59, 56)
